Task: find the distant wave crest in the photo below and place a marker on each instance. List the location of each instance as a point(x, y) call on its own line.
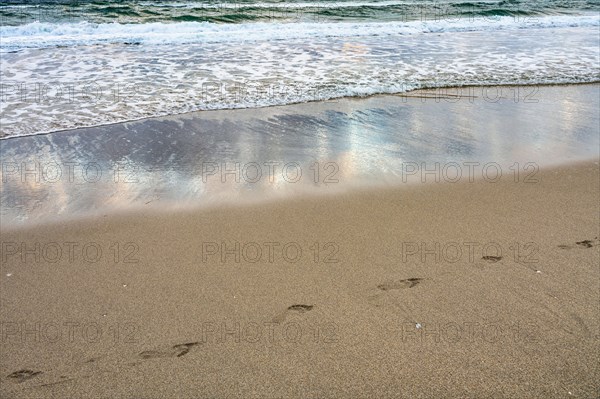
point(40, 35)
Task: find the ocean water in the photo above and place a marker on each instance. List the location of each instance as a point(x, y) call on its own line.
point(68, 64)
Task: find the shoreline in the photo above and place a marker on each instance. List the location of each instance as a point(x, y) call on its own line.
point(242, 156)
point(422, 90)
point(365, 200)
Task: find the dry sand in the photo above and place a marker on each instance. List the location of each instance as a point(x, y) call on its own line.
point(388, 319)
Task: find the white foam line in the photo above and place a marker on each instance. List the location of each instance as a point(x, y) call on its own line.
point(39, 35)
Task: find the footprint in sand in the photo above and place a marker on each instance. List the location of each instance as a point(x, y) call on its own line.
point(292, 309)
point(399, 284)
point(174, 351)
point(585, 243)
point(387, 293)
point(582, 244)
point(491, 259)
point(23, 375)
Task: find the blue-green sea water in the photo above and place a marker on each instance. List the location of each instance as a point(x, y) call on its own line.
point(20, 12)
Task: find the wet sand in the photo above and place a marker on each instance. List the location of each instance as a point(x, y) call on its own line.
point(478, 288)
point(328, 147)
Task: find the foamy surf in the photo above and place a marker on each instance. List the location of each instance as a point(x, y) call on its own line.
point(40, 35)
point(61, 74)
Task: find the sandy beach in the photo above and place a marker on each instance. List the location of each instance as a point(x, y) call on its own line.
point(439, 290)
point(294, 199)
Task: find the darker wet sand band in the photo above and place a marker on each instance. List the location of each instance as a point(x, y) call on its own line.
point(183, 161)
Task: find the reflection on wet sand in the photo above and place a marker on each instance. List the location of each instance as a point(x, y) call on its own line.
point(254, 154)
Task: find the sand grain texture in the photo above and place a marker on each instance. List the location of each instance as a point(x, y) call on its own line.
point(378, 323)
